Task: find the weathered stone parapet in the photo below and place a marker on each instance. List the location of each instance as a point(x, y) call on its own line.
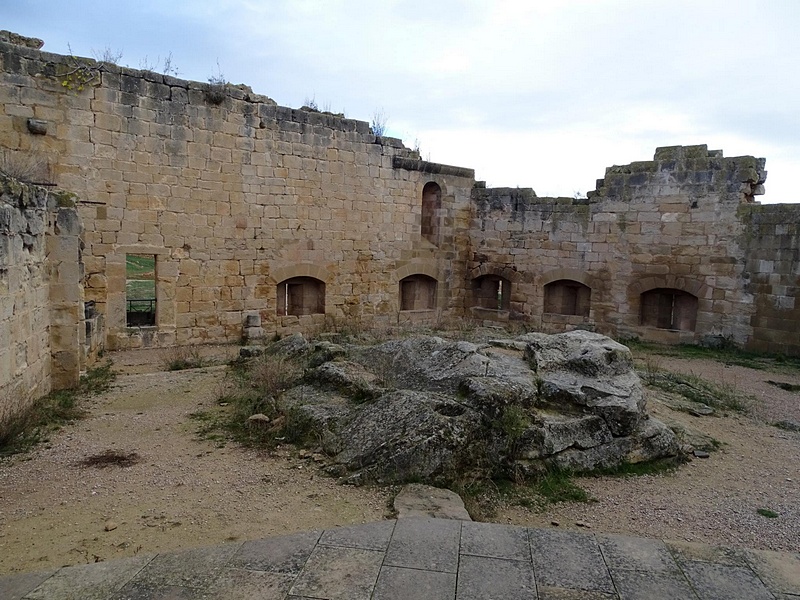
point(411, 164)
point(690, 170)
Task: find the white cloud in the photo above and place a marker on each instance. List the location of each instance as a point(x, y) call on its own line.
point(538, 93)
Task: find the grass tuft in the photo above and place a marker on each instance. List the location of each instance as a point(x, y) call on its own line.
point(180, 358)
point(254, 387)
point(654, 467)
point(23, 432)
point(769, 514)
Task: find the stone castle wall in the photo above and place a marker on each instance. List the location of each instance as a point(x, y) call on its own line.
point(40, 295)
point(262, 219)
point(684, 221)
point(771, 240)
point(232, 195)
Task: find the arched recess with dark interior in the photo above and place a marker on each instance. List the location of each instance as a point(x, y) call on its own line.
point(431, 209)
point(669, 308)
point(567, 297)
point(491, 292)
point(418, 292)
point(301, 296)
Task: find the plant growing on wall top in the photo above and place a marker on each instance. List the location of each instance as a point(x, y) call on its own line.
point(215, 92)
point(379, 121)
point(79, 73)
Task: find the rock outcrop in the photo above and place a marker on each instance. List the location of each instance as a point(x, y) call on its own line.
point(431, 409)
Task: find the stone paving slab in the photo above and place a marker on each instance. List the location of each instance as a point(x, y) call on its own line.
point(428, 559)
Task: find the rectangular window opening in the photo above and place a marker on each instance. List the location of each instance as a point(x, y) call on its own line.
point(140, 290)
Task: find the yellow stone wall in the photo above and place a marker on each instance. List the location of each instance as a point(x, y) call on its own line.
point(231, 198)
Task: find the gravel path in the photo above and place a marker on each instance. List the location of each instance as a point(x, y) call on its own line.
point(186, 492)
point(711, 500)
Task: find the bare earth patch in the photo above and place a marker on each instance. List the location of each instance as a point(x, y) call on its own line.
point(186, 492)
point(183, 492)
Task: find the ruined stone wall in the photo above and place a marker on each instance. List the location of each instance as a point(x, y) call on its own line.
point(39, 281)
point(232, 195)
point(262, 219)
point(668, 224)
point(771, 239)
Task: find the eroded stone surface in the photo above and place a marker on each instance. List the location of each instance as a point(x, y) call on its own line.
point(424, 407)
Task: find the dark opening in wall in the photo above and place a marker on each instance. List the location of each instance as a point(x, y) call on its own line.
point(140, 290)
point(492, 292)
point(567, 297)
point(431, 209)
point(418, 292)
point(668, 308)
point(301, 296)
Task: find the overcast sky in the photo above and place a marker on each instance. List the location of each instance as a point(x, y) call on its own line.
point(528, 93)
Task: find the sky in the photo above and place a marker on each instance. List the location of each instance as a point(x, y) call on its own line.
point(541, 94)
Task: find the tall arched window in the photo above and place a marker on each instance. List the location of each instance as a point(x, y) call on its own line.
point(567, 297)
point(492, 292)
point(301, 296)
point(418, 292)
point(668, 308)
point(431, 209)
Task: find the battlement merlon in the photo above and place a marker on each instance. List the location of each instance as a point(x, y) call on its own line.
point(694, 169)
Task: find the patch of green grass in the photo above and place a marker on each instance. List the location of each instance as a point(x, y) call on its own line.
point(139, 264)
point(211, 426)
point(48, 414)
point(513, 422)
point(696, 389)
point(254, 387)
point(769, 514)
point(558, 486)
point(728, 355)
point(482, 497)
point(140, 289)
point(654, 467)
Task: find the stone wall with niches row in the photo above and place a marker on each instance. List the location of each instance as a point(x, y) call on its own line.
point(231, 194)
point(685, 220)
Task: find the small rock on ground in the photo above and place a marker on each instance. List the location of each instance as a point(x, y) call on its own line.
point(417, 500)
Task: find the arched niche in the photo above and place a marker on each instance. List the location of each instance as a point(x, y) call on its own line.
point(418, 292)
point(567, 297)
point(668, 308)
point(301, 296)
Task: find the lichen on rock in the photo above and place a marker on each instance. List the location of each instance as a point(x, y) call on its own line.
point(425, 408)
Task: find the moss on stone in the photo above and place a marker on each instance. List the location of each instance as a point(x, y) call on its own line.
point(65, 199)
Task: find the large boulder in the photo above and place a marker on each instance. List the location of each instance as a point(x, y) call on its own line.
point(589, 372)
point(424, 408)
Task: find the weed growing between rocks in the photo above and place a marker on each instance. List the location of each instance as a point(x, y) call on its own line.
point(249, 409)
point(483, 497)
point(51, 412)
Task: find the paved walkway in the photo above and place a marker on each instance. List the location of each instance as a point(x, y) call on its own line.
point(436, 559)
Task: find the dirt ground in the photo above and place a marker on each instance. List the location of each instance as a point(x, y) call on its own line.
point(188, 492)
